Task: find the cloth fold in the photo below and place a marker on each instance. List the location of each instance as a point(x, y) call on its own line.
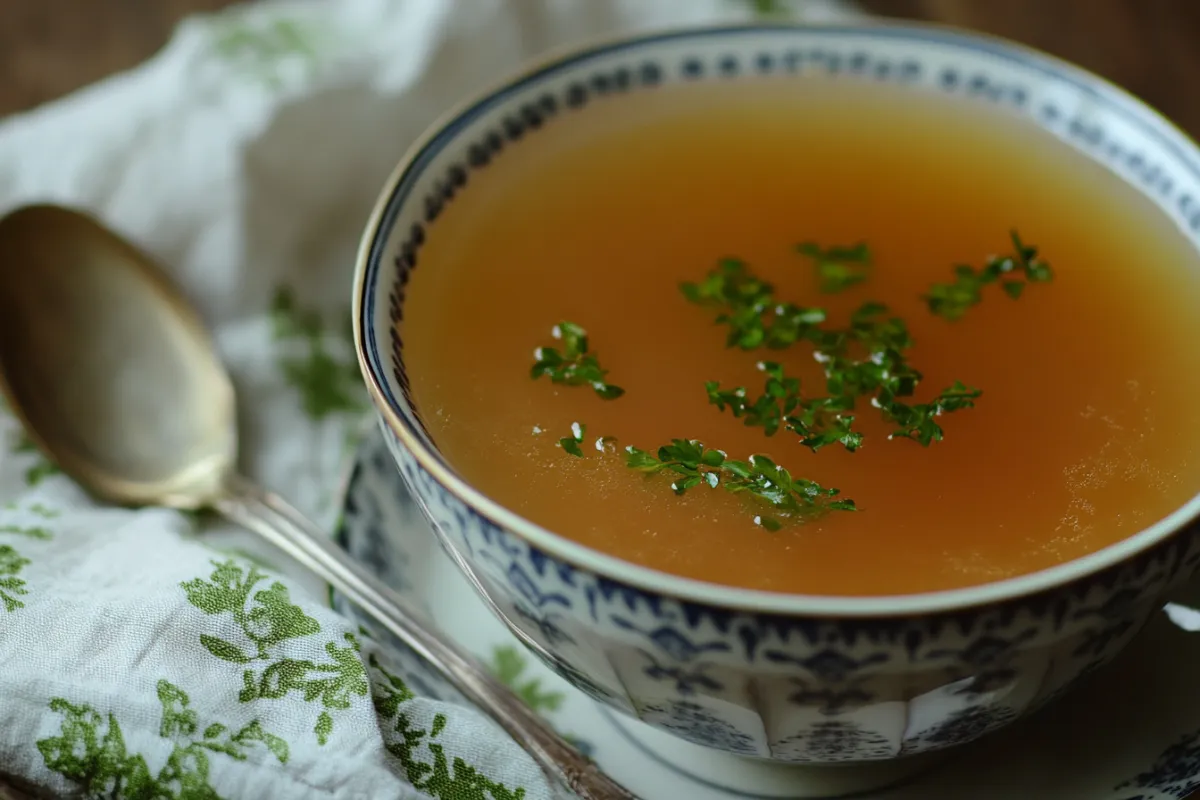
point(151, 654)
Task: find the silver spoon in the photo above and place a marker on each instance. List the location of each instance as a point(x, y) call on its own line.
point(117, 381)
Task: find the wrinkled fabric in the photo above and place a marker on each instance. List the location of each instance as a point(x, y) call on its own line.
point(152, 654)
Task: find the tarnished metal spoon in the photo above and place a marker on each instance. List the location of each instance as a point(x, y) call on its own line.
point(117, 381)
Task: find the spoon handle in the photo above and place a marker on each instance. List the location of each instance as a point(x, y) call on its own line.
point(278, 522)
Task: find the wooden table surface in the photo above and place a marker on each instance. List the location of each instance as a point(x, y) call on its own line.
point(49, 47)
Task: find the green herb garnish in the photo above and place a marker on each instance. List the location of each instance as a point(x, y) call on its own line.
point(917, 422)
point(838, 267)
point(749, 308)
point(1013, 273)
point(573, 443)
point(758, 477)
point(867, 359)
point(867, 356)
point(819, 421)
point(694, 464)
point(574, 366)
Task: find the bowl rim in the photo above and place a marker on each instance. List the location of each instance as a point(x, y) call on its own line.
point(690, 590)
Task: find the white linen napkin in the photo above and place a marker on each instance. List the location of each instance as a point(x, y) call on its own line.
point(147, 654)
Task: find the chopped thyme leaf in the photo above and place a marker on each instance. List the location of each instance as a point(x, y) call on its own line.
point(692, 464)
point(838, 267)
point(820, 425)
point(572, 443)
point(758, 477)
point(878, 369)
point(780, 397)
point(819, 421)
point(918, 422)
point(749, 308)
point(574, 366)
point(1013, 272)
point(881, 342)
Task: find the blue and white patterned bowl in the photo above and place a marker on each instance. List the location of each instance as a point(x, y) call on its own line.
point(789, 678)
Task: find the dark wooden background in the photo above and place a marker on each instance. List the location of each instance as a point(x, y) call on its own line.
point(1151, 47)
point(49, 47)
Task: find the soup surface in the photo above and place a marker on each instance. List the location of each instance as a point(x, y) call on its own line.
point(1085, 431)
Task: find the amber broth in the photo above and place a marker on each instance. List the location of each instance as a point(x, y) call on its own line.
point(1085, 434)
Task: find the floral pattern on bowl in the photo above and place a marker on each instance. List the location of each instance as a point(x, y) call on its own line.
point(1130, 733)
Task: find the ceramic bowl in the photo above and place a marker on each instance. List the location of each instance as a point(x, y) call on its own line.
point(789, 678)
point(1131, 733)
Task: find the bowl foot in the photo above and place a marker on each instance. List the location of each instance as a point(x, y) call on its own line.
point(763, 779)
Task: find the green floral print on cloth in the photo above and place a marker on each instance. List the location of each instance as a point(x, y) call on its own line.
point(421, 751)
point(91, 753)
point(325, 376)
point(256, 685)
point(90, 750)
point(19, 447)
point(255, 682)
point(151, 654)
point(26, 523)
point(266, 618)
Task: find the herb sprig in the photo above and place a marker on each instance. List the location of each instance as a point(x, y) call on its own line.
point(574, 366)
point(838, 267)
point(573, 444)
point(865, 359)
point(758, 477)
point(749, 308)
point(819, 421)
point(693, 464)
point(1013, 273)
point(919, 422)
point(880, 370)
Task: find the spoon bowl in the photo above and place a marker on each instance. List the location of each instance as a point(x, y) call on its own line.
point(135, 405)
